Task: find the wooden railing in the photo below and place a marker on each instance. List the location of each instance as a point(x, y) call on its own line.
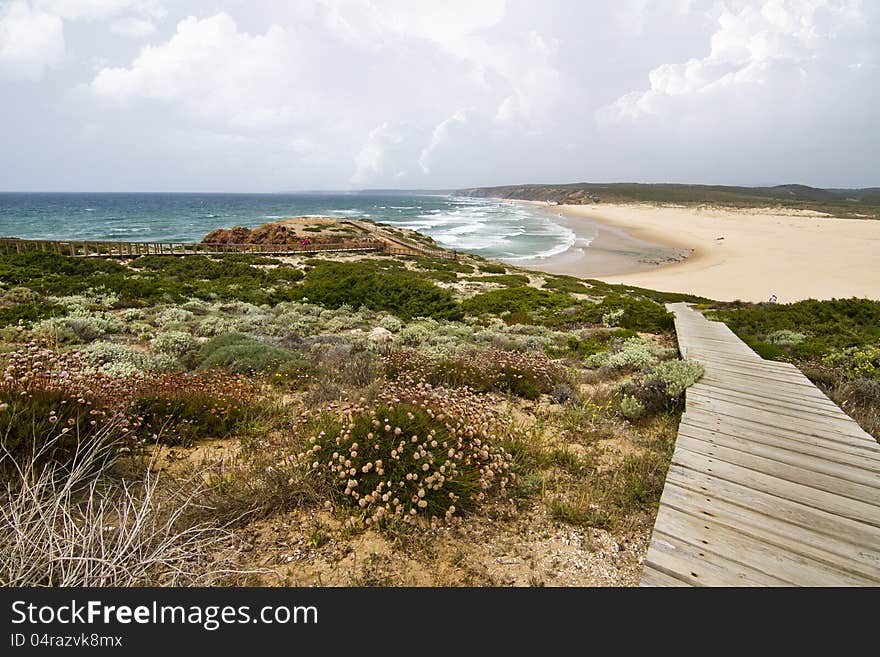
point(136, 249)
point(403, 246)
point(380, 240)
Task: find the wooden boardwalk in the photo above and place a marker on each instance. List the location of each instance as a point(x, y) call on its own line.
point(771, 484)
point(107, 249)
point(377, 240)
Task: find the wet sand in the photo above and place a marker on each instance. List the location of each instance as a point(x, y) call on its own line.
point(602, 249)
point(745, 254)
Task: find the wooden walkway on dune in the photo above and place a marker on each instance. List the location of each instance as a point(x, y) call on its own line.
point(378, 239)
point(771, 484)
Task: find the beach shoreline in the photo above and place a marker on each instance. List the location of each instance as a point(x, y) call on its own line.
point(723, 253)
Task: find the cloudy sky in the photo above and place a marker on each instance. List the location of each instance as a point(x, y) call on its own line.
point(268, 95)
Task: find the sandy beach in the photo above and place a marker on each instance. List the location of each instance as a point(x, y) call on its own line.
point(733, 254)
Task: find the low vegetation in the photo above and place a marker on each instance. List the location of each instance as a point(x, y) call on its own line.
point(223, 410)
point(835, 343)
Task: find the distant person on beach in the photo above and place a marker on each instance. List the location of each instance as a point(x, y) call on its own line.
point(772, 298)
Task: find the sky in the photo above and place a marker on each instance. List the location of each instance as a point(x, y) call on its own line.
point(272, 95)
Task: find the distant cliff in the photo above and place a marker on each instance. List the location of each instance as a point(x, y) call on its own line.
point(862, 203)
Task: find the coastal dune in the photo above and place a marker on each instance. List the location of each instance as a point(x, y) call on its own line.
point(746, 254)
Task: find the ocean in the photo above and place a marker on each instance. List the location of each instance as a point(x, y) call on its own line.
point(493, 229)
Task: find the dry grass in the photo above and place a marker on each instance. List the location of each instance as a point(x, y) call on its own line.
point(68, 525)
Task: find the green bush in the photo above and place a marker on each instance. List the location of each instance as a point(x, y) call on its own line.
point(507, 280)
point(636, 313)
point(516, 300)
point(785, 338)
point(526, 375)
point(591, 344)
point(855, 362)
point(661, 389)
point(635, 353)
point(174, 343)
point(334, 284)
point(491, 268)
point(677, 375)
point(243, 355)
point(826, 325)
point(565, 284)
point(29, 423)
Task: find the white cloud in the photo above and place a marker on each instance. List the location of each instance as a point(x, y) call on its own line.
point(439, 136)
point(31, 41)
point(777, 44)
point(32, 31)
point(133, 27)
point(98, 10)
point(370, 159)
point(272, 94)
point(213, 71)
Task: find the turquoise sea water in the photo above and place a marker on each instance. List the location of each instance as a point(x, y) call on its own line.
point(493, 229)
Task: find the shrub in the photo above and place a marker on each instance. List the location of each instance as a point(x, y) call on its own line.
point(181, 409)
point(174, 343)
point(133, 315)
point(390, 323)
point(612, 318)
point(242, 355)
point(403, 293)
point(661, 389)
point(507, 280)
point(171, 316)
point(516, 300)
point(45, 394)
point(490, 268)
point(116, 359)
point(630, 407)
point(634, 353)
point(47, 397)
point(20, 295)
point(79, 326)
point(855, 362)
point(785, 338)
point(677, 375)
point(631, 312)
point(565, 284)
point(525, 375)
point(415, 333)
point(827, 325)
point(417, 452)
point(215, 325)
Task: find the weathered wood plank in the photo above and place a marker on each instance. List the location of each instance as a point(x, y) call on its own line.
point(801, 413)
point(785, 471)
point(821, 521)
point(770, 482)
point(827, 549)
point(748, 427)
point(825, 459)
point(713, 538)
point(805, 424)
point(671, 554)
point(655, 578)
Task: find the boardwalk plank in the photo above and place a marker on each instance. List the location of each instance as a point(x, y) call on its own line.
point(838, 483)
point(817, 456)
point(829, 550)
point(713, 537)
point(749, 429)
point(820, 521)
point(770, 482)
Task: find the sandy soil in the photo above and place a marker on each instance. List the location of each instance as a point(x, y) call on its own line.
point(735, 254)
